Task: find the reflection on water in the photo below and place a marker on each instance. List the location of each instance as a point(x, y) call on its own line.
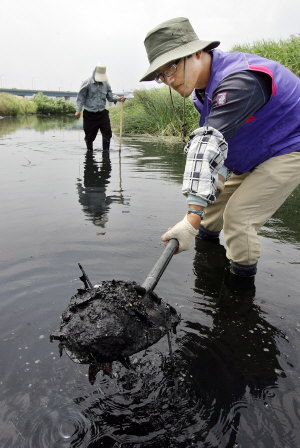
point(39, 123)
point(166, 158)
point(92, 189)
point(285, 223)
point(234, 379)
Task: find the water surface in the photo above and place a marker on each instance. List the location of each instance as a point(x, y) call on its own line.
point(234, 378)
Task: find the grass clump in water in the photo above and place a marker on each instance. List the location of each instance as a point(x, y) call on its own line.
point(12, 105)
point(53, 106)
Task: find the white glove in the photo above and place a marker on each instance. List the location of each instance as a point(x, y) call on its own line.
point(184, 232)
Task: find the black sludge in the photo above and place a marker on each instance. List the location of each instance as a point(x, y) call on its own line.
point(113, 321)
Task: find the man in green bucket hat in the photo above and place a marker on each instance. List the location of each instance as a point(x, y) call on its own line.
point(244, 159)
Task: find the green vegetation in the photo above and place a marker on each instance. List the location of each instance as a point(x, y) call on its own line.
point(15, 105)
point(53, 106)
point(12, 105)
point(284, 51)
point(151, 111)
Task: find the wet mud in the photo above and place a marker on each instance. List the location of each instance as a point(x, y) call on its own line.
point(112, 321)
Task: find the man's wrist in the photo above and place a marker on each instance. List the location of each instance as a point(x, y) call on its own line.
point(195, 214)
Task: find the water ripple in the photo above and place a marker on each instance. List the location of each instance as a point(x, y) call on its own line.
point(59, 428)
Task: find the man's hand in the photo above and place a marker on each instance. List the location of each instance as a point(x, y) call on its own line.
point(77, 115)
point(121, 99)
point(184, 232)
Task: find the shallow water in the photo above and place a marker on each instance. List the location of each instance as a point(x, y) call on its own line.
point(234, 377)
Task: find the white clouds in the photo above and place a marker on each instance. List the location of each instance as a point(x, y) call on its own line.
point(56, 44)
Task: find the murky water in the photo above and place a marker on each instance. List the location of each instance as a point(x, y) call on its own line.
point(234, 378)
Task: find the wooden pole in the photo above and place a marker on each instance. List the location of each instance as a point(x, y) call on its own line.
point(121, 124)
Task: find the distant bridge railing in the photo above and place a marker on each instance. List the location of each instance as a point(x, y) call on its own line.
point(66, 94)
point(26, 92)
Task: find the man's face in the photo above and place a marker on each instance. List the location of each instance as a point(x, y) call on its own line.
point(193, 74)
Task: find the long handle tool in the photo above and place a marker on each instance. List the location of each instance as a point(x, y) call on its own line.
point(160, 266)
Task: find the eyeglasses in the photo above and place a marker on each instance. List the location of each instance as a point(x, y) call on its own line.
point(171, 70)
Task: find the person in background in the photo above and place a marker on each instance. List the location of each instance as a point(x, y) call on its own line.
point(92, 97)
point(244, 160)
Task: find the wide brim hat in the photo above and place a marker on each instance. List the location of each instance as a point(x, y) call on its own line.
point(100, 73)
point(171, 40)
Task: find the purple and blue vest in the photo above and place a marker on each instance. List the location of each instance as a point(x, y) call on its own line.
point(274, 129)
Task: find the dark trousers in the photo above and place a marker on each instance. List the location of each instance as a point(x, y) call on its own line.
point(92, 122)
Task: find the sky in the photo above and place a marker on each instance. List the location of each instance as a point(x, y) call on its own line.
point(55, 44)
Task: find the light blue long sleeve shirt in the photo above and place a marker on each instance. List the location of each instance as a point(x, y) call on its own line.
point(93, 95)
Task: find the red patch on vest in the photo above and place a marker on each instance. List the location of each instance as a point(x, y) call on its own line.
point(250, 119)
point(221, 99)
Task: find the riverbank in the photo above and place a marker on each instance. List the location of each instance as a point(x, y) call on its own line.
point(151, 112)
point(13, 105)
point(155, 112)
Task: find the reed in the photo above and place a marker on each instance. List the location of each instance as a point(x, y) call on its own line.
point(151, 112)
point(284, 51)
point(53, 106)
point(12, 105)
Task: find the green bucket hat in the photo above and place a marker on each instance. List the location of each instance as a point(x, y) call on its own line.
point(171, 40)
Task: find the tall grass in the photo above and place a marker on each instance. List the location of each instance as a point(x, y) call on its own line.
point(12, 105)
point(16, 105)
point(151, 111)
point(287, 52)
point(53, 106)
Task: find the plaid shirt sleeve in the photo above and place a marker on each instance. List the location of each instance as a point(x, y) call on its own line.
point(206, 152)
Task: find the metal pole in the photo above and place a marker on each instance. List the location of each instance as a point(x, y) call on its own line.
point(160, 266)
